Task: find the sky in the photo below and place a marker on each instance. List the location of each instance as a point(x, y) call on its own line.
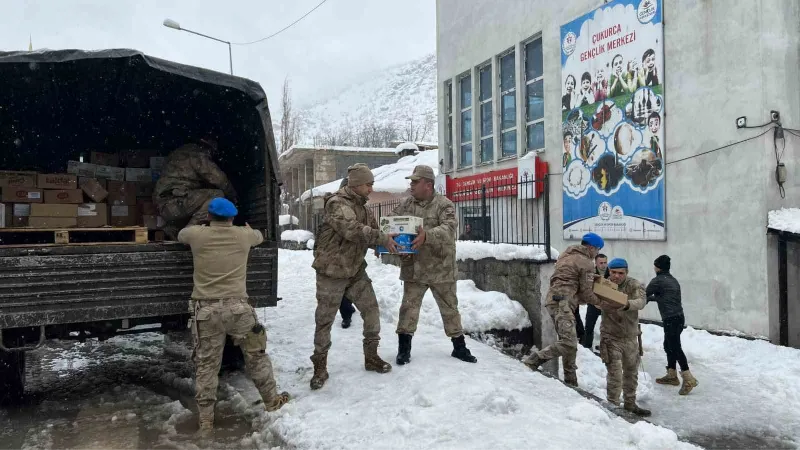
point(339, 43)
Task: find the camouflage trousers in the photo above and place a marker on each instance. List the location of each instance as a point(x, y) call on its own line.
point(191, 209)
point(567, 344)
point(446, 300)
point(213, 320)
point(621, 357)
point(329, 297)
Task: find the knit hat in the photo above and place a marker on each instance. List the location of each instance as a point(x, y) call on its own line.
point(618, 263)
point(222, 207)
point(359, 174)
point(663, 262)
point(593, 240)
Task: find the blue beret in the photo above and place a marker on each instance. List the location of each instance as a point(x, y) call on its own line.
point(618, 263)
point(222, 207)
point(593, 240)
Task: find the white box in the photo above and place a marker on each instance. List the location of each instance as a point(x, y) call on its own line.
point(400, 224)
point(110, 173)
point(81, 169)
point(138, 175)
point(22, 209)
point(3, 212)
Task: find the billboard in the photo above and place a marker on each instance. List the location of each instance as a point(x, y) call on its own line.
point(612, 70)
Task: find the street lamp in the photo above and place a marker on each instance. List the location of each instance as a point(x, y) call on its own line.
point(169, 23)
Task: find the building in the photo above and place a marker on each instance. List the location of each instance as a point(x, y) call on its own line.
point(634, 106)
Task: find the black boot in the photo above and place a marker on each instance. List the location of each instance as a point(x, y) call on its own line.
point(461, 351)
point(403, 349)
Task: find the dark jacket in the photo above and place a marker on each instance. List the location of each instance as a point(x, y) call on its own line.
point(665, 290)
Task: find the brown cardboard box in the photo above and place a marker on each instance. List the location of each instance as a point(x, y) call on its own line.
point(145, 189)
point(152, 222)
point(47, 210)
point(608, 290)
point(67, 196)
point(17, 179)
point(22, 212)
point(139, 175)
point(110, 173)
point(92, 215)
point(105, 159)
point(21, 195)
point(146, 207)
point(53, 222)
point(57, 181)
point(123, 216)
point(138, 159)
point(121, 193)
point(93, 188)
point(81, 169)
point(157, 162)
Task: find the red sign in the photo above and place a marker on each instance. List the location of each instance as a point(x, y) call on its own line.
point(498, 183)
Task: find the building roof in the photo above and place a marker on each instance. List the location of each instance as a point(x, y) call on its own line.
point(297, 149)
point(785, 220)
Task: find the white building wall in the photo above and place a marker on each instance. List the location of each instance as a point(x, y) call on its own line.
point(723, 59)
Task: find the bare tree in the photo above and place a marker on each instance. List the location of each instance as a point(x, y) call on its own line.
point(290, 120)
point(417, 130)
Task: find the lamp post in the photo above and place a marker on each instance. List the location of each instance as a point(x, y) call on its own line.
point(169, 23)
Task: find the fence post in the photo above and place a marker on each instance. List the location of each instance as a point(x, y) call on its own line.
point(547, 216)
point(483, 212)
point(379, 212)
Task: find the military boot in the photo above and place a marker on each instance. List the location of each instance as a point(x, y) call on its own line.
point(689, 382)
point(571, 379)
point(277, 402)
point(461, 351)
point(205, 418)
point(632, 407)
point(403, 349)
point(320, 370)
point(670, 378)
point(373, 362)
point(534, 361)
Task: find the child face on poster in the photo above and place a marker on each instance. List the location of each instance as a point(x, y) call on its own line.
point(570, 84)
point(654, 123)
point(616, 66)
point(649, 61)
point(567, 142)
point(586, 82)
point(600, 76)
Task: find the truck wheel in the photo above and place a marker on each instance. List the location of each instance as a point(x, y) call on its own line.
point(12, 377)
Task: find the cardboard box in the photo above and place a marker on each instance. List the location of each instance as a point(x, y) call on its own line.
point(17, 179)
point(81, 169)
point(92, 215)
point(21, 195)
point(6, 212)
point(123, 216)
point(153, 222)
point(400, 224)
point(73, 196)
point(48, 210)
point(110, 173)
point(145, 189)
point(121, 193)
point(53, 222)
point(93, 188)
point(57, 181)
point(138, 175)
point(104, 159)
point(608, 290)
point(403, 244)
point(146, 207)
point(138, 159)
point(21, 213)
point(157, 162)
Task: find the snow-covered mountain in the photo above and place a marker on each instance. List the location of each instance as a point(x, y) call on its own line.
point(395, 95)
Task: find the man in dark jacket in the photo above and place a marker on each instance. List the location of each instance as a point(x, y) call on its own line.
point(593, 312)
point(665, 290)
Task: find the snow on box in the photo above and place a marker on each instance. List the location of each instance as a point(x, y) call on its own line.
point(286, 219)
point(297, 235)
point(785, 219)
point(504, 252)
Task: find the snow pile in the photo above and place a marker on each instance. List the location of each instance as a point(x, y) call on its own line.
point(310, 244)
point(333, 148)
point(504, 252)
point(388, 178)
point(286, 219)
point(297, 235)
point(785, 219)
point(406, 146)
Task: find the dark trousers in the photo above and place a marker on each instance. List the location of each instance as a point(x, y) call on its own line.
point(346, 308)
point(673, 327)
point(592, 313)
point(578, 323)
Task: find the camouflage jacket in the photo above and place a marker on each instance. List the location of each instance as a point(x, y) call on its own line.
point(189, 168)
point(624, 324)
point(348, 230)
point(436, 260)
point(573, 278)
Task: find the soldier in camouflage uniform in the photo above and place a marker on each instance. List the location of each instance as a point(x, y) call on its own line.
point(619, 345)
point(347, 231)
point(433, 267)
point(189, 181)
point(570, 284)
point(220, 253)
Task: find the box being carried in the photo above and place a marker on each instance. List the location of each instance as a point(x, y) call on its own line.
point(406, 229)
point(608, 290)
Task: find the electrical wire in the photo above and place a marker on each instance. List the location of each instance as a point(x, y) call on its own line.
point(721, 148)
point(281, 30)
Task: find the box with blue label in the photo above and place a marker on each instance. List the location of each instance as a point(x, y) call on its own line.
point(403, 244)
point(400, 224)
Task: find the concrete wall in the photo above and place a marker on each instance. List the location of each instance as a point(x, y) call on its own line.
point(723, 59)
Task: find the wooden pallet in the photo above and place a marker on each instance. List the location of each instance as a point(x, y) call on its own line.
point(44, 237)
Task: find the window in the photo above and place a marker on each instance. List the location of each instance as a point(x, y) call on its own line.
point(508, 105)
point(485, 99)
point(465, 88)
point(534, 92)
point(448, 139)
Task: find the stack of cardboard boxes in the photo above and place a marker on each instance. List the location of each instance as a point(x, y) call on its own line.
point(90, 195)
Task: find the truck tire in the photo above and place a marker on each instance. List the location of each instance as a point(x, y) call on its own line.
point(12, 377)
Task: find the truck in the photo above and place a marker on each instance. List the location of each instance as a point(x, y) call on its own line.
point(57, 106)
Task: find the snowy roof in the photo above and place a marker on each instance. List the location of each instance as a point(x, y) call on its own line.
point(785, 219)
point(335, 148)
point(388, 178)
point(406, 146)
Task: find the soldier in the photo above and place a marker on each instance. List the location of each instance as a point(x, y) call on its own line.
point(346, 308)
point(189, 181)
point(434, 267)
point(570, 284)
point(346, 233)
point(593, 312)
point(220, 254)
point(619, 345)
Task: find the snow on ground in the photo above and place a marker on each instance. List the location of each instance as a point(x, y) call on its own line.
point(785, 219)
point(747, 388)
point(389, 177)
point(434, 402)
point(286, 219)
point(297, 235)
point(503, 252)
